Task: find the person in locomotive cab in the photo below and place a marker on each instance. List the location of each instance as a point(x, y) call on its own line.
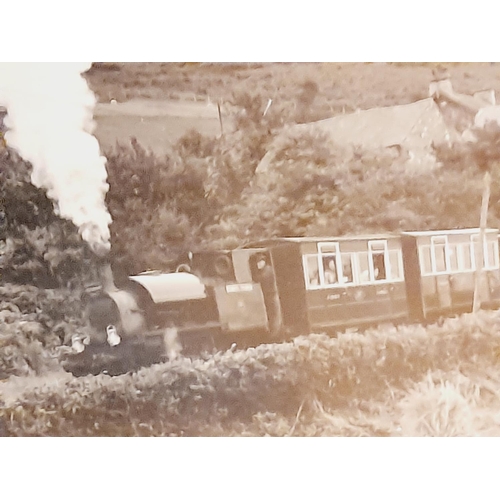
point(264, 275)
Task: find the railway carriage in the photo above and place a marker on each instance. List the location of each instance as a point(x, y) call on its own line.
point(334, 283)
point(440, 269)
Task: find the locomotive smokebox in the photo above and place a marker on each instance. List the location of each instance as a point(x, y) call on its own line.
point(112, 309)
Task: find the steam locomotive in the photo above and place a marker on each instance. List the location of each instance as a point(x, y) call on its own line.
point(279, 288)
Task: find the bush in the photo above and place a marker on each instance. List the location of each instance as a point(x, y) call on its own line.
point(238, 389)
point(36, 246)
point(34, 323)
point(44, 266)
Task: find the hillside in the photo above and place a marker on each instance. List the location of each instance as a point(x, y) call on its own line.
point(168, 99)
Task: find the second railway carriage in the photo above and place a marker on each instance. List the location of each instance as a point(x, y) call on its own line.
point(440, 271)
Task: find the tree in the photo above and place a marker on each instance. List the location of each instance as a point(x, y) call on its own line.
point(36, 246)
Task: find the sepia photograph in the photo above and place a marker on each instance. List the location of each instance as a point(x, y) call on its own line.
point(271, 249)
point(306, 248)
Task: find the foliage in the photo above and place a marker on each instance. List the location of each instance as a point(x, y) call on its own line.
point(317, 374)
point(155, 203)
point(468, 160)
point(36, 246)
point(34, 322)
point(44, 265)
point(485, 151)
point(312, 187)
point(160, 207)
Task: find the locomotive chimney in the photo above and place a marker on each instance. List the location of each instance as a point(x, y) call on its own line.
point(106, 275)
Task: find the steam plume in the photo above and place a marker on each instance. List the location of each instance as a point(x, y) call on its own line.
point(50, 123)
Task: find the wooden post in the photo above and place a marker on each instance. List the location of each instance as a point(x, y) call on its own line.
point(220, 119)
point(482, 233)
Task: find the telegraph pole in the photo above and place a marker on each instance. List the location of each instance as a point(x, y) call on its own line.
point(483, 221)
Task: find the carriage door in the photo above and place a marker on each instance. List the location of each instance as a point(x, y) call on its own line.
point(483, 262)
point(441, 266)
point(287, 263)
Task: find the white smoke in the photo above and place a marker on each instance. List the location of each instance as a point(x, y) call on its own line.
point(50, 121)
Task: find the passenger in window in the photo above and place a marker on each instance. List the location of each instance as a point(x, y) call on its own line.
point(364, 276)
point(313, 277)
point(379, 267)
point(347, 272)
point(330, 272)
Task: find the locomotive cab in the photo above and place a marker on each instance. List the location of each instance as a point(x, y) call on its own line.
point(240, 298)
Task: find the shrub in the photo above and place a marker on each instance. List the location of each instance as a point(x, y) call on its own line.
point(36, 246)
point(234, 388)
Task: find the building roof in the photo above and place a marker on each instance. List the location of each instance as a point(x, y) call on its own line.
point(413, 127)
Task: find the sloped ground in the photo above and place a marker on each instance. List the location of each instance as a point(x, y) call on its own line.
point(342, 85)
point(158, 102)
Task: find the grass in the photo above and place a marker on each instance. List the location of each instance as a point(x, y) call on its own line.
point(157, 133)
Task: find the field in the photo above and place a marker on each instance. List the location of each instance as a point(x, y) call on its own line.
point(353, 85)
point(170, 99)
point(156, 125)
point(440, 380)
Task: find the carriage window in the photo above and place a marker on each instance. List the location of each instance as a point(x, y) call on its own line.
point(425, 259)
point(394, 260)
point(378, 252)
point(478, 258)
point(493, 254)
point(346, 268)
point(329, 263)
point(490, 252)
point(439, 248)
point(311, 269)
point(379, 271)
point(465, 257)
point(330, 270)
point(453, 256)
point(364, 268)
